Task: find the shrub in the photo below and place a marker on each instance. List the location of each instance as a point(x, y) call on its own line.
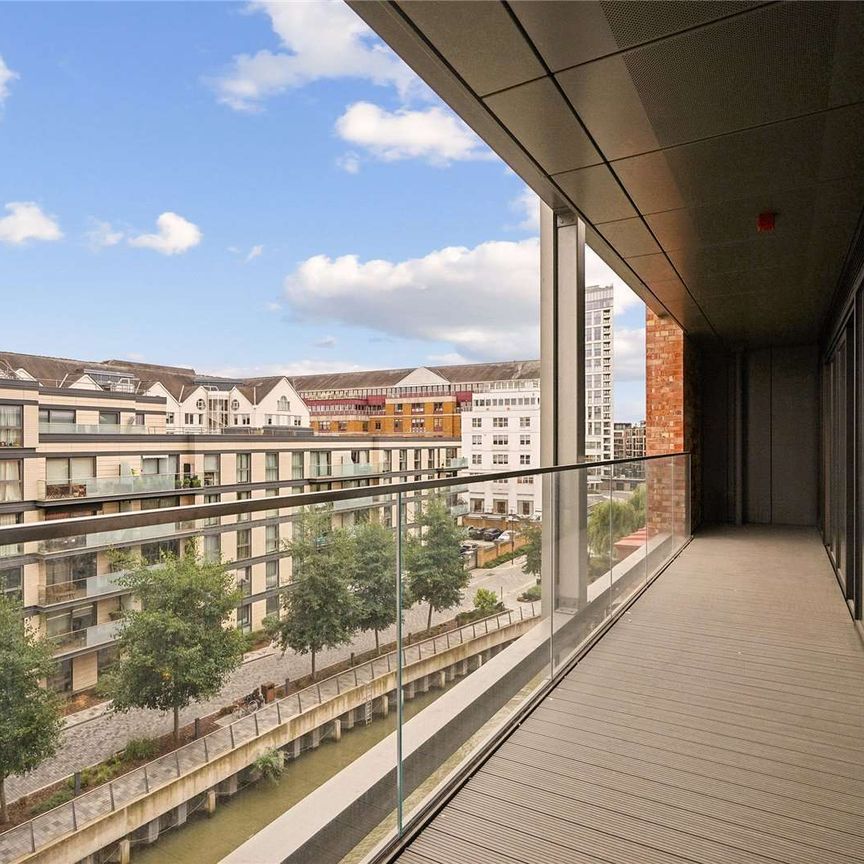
point(486, 602)
point(61, 796)
point(138, 749)
point(270, 764)
point(96, 776)
point(531, 595)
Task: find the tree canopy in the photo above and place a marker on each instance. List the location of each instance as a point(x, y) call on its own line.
point(319, 609)
point(30, 721)
point(533, 533)
point(375, 577)
point(176, 647)
point(436, 574)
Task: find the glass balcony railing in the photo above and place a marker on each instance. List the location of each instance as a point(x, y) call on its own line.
point(458, 462)
point(122, 537)
point(87, 637)
point(345, 469)
point(79, 589)
point(432, 678)
point(46, 428)
point(96, 487)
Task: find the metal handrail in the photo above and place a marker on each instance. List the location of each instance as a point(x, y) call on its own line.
point(117, 793)
point(135, 519)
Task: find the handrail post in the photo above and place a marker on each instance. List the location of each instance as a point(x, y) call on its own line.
point(231, 730)
point(318, 688)
point(447, 634)
point(33, 832)
point(206, 749)
point(74, 816)
point(177, 761)
point(147, 779)
point(299, 703)
point(257, 730)
point(279, 711)
point(400, 665)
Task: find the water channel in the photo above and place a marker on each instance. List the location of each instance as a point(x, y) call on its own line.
point(206, 840)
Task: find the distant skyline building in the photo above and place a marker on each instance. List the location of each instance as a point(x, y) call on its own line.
point(599, 365)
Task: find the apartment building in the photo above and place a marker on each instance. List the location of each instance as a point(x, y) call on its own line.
point(599, 362)
point(79, 439)
point(421, 402)
point(629, 440)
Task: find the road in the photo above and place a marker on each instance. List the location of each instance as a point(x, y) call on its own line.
point(94, 740)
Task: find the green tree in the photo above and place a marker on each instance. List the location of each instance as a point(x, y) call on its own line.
point(436, 574)
point(609, 521)
point(30, 721)
point(318, 610)
point(638, 502)
point(375, 578)
point(533, 532)
point(176, 648)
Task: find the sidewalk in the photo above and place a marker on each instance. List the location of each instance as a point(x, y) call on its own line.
point(95, 733)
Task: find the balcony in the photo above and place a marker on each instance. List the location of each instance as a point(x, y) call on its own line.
point(99, 487)
point(345, 469)
point(79, 589)
point(98, 429)
point(123, 536)
point(458, 462)
point(86, 637)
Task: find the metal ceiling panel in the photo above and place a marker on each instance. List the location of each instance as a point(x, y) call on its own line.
point(600, 196)
point(538, 116)
point(479, 40)
point(630, 237)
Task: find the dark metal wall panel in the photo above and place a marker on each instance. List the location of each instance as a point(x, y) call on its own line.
point(794, 436)
point(717, 446)
point(757, 437)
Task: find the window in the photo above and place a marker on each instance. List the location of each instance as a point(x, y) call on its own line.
point(476, 459)
point(212, 547)
point(341, 426)
point(437, 424)
point(528, 481)
point(212, 499)
point(271, 576)
point(244, 467)
point(244, 496)
point(524, 422)
point(377, 425)
point(500, 459)
point(211, 469)
point(109, 418)
point(271, 493)
point(397, 425)
point(10, 548)
point(417, 424)
point(321, 463)
point(525, 508)
point(139, 419)
point(60, 680)
point(10, 480)
point(11, 425)
point(10, 582)
point(271, 607)
point(398, 408)
point(153, 553)
point(476, 422)
point(244, 543)
point(477, 505)
point(500, 422)
point(244, 618)
point(524, 440)
point(524, 458)
point(476, 440)
point(499, 506)
point(244, 581)
point(169, 418)
point(296, 466)
point(500, 440)
point(56, 415)
point(271, 466)
point(283, 404)
point(438, 407)
point(271, 538)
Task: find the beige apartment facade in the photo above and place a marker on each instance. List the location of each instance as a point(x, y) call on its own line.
point(76, 449)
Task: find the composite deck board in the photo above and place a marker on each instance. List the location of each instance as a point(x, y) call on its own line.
point(720, 721)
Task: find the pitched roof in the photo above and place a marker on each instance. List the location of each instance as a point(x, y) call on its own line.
point(467, 373)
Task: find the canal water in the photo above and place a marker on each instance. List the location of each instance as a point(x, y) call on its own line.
point(206, 840)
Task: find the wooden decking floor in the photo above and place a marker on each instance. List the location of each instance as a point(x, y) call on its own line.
point(720, 721)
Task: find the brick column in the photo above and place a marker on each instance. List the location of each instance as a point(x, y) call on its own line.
point(672, 418)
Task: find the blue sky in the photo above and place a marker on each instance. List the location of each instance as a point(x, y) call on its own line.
point(252, 189)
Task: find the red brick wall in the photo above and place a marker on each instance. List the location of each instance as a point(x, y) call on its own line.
point(672, 418)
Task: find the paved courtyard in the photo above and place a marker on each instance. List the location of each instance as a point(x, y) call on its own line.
point(93, 740)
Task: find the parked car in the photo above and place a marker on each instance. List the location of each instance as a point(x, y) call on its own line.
point(505, 537)
point(491, 533)
point(475, 533)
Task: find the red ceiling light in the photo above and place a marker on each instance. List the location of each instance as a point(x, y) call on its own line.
point(765, 222)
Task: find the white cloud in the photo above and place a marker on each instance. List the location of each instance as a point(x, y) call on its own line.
point(319, 40)
point(326, 342)
point(26, 221)
point(629, 354)
point(273, 306)
point(433, 134)
point(452, 358)
point(6, 77)
point(483, 301)
point(102, 234)
point(175, 235)
point(598, 272)
point(254, 252)
point(527, 205)
point(349, 162)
